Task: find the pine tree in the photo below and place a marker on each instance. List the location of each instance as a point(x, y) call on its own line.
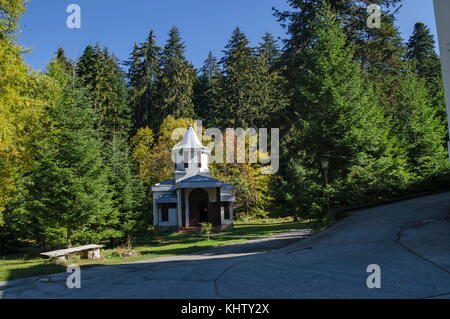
point(62, 60)
point(206, 91)
point(211, 67)
point(128, 193)
point(68, 192)
point(420, 130)
point(89, 68)
point(237, 89)
point(421, 48)
point(336, 117)
point(175, 83)
point(142, 75)
point(421, 52)
point(250, 91)
point(105, 80)
point(353, 16)
point(272, 97)
point(108, 87)
point(269, 48)
point(379, 50)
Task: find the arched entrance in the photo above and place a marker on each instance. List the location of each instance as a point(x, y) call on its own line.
point(198, 207)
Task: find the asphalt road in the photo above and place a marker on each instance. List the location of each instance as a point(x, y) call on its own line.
point(409, 240)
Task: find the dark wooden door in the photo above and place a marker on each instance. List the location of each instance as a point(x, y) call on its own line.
point(198, 207)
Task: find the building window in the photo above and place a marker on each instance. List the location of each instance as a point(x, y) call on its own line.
point(186, 158)
point(226, 214)
point(186, 165)
point(165, 213)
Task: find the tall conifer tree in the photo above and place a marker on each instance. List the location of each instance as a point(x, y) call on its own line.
point(427, 65)
point(142, 75)
point(68, 187)
point(421, 132)
point(336, 116)
point(206, 94)
point(101, 75)
point(175, 82)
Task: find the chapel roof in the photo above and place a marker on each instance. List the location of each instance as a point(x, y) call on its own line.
point(190, 140)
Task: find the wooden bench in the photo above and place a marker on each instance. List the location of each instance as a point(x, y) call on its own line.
point(86, 252)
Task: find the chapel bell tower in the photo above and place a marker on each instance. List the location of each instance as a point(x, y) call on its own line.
point(191, 157)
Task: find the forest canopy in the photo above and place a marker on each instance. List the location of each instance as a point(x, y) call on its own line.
point(82, 142)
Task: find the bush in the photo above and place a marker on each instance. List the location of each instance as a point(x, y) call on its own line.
point(206, 228)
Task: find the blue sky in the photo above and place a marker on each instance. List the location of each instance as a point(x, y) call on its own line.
point(204, 24)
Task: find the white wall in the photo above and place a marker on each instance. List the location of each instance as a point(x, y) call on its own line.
point(222, 216)
point(173, 219)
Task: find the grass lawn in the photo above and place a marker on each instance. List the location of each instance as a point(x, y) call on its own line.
point(168, 244)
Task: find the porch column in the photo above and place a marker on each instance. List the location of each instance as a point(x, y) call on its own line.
point(186, 207)
point(155, 211)
point(179, 208)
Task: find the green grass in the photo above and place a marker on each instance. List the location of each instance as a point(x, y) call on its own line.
point(148, 246)
point(13, 267)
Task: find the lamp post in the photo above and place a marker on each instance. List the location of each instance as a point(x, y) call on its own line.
point(325, 161)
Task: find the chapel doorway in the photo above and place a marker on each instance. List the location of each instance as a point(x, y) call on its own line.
point(198, 207)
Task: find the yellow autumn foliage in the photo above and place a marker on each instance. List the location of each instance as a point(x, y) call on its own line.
point(154, 154)
point(24, 98)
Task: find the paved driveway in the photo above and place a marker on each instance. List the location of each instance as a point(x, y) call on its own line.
point(409, 240)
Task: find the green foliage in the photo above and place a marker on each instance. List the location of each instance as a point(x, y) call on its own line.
point(129, 196)
point(206, 91)
point(175, 82)
point(206, 228)
point(154, 155)
point(379, 51)
point(421, 52)
point(269, 48)
point(101, 75)
point(421, 48)
point(337, 117)
point(68, 189)
point(249, 91)
point(10, 12)
point(69, 172)
point(25, 98)
point(251, 190)
point(419, 129)
point(144, 70)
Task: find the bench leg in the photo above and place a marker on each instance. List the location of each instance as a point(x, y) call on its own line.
point(94, 254)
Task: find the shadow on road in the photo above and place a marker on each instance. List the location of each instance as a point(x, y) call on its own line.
point(53, 286)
